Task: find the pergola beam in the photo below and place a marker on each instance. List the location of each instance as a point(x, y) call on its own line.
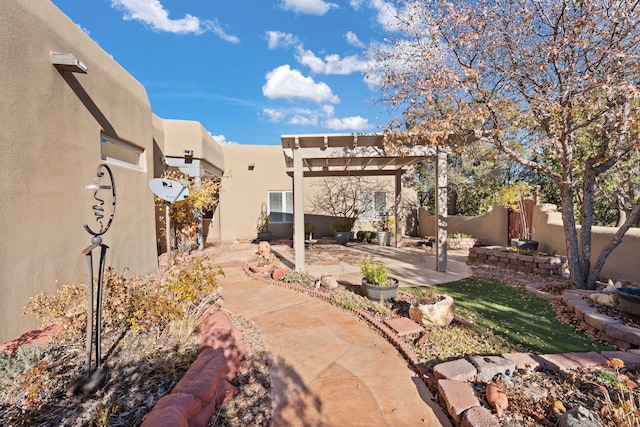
point(357, 155)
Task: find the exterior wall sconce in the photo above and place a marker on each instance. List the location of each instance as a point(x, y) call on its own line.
point(67, 62)
point(252, 166)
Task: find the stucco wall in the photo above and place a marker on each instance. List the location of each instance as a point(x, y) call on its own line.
point(622, 264)
point(244, 190)
point(491, 228)
point(50, 130)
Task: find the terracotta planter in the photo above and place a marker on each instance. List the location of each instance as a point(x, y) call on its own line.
point(262, 268)
point(381, 293)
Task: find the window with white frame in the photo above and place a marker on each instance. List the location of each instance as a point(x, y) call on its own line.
point(121, 153)
point(281, 206)
point(371, 204)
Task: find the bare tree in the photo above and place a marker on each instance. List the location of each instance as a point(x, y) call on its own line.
point(553, 84)
point(341, 197)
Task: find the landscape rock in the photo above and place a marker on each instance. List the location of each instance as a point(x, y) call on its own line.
point(496, 398)
point(440, 313)
point(578, 417)
point(608, 299)
point(328, 281)
point(264, 249)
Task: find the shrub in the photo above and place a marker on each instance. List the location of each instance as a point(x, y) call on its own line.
point(181, 293)
point(298, 277)
point(373, 272)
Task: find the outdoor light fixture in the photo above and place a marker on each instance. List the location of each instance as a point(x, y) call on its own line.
point(252, 166)
point(187, 153)
point(67, 62)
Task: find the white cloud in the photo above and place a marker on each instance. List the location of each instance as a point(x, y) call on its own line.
point(152, 13)
point(276, 39)
point(283, 82)
point(309, 7)
point(354, 123)
point(274, 116)
point(301, 120)
point(353, 39)
point(355, 4)
point(331, 64)
point(323, 116)
point(221, 139)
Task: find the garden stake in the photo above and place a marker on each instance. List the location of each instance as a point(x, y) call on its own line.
point(89, 382)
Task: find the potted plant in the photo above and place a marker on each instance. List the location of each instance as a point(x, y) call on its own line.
point(342, 230)
point(264, 235)
point(378, 285)
point(383, 225)
point(265, 262)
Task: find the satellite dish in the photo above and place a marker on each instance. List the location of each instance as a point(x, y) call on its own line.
point(168, 190)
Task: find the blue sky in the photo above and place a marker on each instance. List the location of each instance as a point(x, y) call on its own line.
point(249, 71)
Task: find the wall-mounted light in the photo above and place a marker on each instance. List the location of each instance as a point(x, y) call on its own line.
point(252, 166)
point(67, 62)
point(187, 153)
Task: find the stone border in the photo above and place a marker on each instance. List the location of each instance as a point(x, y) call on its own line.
point(206, 384)
point(605, 327)
point(497, 256)
point(453, 378)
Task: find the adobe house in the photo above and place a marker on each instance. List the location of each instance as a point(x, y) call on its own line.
point(66, 106)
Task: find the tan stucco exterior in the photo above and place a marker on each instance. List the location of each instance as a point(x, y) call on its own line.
point(491, 228)
point(244, 189)
point(50, 128)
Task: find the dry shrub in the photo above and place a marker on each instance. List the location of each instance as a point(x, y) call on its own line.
point(181, 294)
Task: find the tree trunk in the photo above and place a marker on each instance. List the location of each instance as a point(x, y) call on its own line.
point(571, 237)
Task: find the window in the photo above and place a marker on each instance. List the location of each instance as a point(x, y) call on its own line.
point(121, 153)
point(371, 204)
point(281, 206)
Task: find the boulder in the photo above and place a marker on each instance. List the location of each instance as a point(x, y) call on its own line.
point(608, 299)
point(440, 313)
point(328, 281)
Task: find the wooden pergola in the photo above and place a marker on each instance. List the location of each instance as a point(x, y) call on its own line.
point(359, 155)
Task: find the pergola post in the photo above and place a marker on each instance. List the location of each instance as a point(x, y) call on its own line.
point(298, 210)
point(397, 208)
point(441, 209)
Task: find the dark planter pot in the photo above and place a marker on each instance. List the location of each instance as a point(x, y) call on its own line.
point(524, 244)
point(381, 293)
point(265, 236)
point(629, 300)
point(343, 237)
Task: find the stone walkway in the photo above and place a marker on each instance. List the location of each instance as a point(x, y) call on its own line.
point(329, 368)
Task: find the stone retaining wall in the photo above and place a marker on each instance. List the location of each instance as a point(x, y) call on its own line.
point(499, 256)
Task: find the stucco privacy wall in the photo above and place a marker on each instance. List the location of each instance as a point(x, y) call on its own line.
point(491, 228)
point(622, 264)
point(50, 126)
point(245, 189)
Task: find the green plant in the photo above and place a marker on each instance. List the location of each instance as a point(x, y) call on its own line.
point(426, 295)
point(309, 228)
point(341, 226)
point(298, 277)
point(459, 236)
point(371, 235)
point(25, 357)
point(361, 235)
point(263, 222)
point(374, 272)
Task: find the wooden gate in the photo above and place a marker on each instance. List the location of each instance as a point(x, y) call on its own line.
point(519, 222)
